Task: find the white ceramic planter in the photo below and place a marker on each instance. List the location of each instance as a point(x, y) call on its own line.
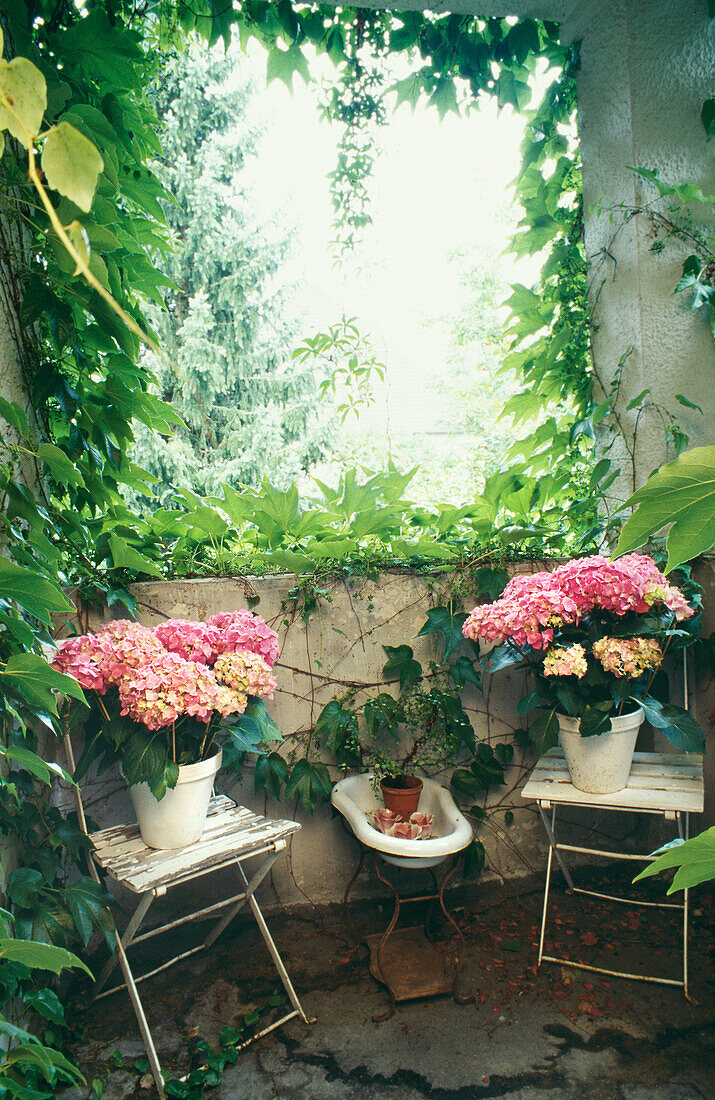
point(179, 818)
point(600, 764)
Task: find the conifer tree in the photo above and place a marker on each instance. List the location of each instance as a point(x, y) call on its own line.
point(249, 408)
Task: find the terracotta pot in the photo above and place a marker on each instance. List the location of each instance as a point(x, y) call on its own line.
point(403, 800)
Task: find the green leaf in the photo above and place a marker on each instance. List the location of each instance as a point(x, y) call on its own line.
point(31, 590)
point(678, 726)
point(441, 620)
point(271, 773)
point(707, 114)
point(282, 64)
point(32, 677)
point(72, 164)
point(407, 90)
point(23, 87)
point(47, 1004)
point(544, 732)
point(694, 858)
point(444, 97)
point(61, 467)
point(401, 661)
point(34, 764)
point(15, 416)
point(40, 956)
point(310, 783)
point(126, 557)
point(681, 494)
point(464, 671)
point(256, 711)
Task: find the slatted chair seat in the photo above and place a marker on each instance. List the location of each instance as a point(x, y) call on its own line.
point(233, 835)
point(232, 832)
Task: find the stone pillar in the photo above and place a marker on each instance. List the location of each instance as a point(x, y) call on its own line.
point(645, 69)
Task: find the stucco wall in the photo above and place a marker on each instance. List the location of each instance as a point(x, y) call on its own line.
point(342, 641)
point(645, 70)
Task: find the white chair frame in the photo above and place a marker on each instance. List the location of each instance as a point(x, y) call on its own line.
point(233, 834)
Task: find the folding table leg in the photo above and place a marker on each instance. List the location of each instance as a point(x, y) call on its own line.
point(141, 1018)
point(268, 939)
point(551, 833)
point(129, 933)
point(255, 882)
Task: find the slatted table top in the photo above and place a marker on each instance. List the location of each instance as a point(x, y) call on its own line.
point(658, 781)
point(232, 832)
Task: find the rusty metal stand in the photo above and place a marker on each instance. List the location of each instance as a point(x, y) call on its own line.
point(406, 961)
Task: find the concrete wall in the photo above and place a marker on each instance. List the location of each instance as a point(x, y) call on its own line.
point(342, 645)
point(645, 70)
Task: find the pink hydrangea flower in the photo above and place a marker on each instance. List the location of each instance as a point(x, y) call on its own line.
point(240, 630)
point(533, 606)
point(562, 661)
point(199, 642)
point(78, 657)
point(246, 672)
point(628, 657)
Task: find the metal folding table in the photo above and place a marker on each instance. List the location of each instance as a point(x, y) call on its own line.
point(667, 785)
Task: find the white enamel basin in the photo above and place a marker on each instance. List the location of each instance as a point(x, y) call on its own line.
point(354, 798)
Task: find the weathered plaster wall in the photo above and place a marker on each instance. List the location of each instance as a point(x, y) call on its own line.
point(343, 642)
point(645, 70)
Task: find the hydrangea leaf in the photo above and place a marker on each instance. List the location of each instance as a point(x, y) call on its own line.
point(72, 164)
point(24, 89)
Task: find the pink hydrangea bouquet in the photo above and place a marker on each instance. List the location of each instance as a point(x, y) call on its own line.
point(167, 696)
point(593, 633)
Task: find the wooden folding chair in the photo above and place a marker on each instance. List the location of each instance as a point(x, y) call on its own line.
point(233, 834)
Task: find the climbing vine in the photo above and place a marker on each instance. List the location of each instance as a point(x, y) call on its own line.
point(81, 251)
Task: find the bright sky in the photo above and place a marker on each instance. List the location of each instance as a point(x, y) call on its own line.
point(438, 188)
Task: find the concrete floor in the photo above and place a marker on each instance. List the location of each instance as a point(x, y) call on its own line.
point(548, 1034)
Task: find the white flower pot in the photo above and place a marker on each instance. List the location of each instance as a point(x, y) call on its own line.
point(179, 818)
point(600, 764)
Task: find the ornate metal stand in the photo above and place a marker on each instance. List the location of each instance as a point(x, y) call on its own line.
point(406, 961)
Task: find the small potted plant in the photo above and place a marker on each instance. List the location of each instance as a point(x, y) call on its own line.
point(169, 703)
point(593, 633)
point(418, 731)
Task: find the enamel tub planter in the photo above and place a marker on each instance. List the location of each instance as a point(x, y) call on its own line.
point(356, 800)
point(600, 764)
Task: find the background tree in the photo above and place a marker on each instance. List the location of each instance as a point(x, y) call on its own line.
point(249, 408)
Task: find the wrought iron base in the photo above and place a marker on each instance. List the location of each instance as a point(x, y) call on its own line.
point(406, 961)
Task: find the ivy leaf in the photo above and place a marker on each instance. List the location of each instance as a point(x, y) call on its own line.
point(337, 729)
point(34, 764)
point(32, 677)
point(310, 783)
point(15, 416)
point(46, 1003)
point(694, 858)
point(512, 92)
point(440, 620)
point(72, 164)
point(271, 773)
point(32, 591)
point(23, 87)
point(444, 97)
point(407, 90)
point(502, 656)
point(282, 64)
point(401, 661)
point(464, 671)
point(681, 493)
